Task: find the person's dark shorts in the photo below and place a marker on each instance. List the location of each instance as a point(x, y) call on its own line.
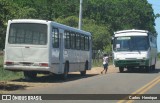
point(105, 66)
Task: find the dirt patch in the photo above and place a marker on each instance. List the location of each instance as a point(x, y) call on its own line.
point(45, 81)
point(97, 70)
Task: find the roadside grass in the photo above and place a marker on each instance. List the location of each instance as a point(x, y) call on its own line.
point(8, 75)
point(97, 63)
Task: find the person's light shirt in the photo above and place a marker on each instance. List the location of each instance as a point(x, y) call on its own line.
point(105, 60)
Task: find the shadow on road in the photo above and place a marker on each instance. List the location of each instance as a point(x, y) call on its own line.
point(24, 84)
point(55, 78)
point(137, 70)
point(11, 87)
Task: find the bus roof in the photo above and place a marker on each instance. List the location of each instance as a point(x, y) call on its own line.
point(53, 23)
point(132, 30)
point(65, 27)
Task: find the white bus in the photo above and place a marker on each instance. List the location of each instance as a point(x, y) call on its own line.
point(134, 48)
point(40, 46)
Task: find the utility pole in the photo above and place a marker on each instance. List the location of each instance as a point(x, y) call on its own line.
point(80, 15)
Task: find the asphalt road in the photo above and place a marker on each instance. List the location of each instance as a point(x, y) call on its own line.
point(135, 82)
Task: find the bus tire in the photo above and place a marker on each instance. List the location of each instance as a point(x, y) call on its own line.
point(153, 67)
point(83, 73)
point(30, 75)
point(121, 69)
point(148, 69)
point(66, 70)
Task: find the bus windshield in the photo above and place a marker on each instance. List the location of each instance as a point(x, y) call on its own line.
point(28, 33)
point(131, 43)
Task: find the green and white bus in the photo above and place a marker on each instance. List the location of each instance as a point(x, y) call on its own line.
point(40, 46)
point(134, 48)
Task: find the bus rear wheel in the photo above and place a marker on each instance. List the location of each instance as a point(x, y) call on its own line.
point(66, 70)
point(121, 69)
point(153, 67)
point(83, 73)
point(30, 75)
point(148, 69)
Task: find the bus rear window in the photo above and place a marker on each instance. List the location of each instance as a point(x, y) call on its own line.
point(28, 33)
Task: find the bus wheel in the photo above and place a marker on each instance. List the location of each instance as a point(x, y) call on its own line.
point(148, 69)
point(153, 67)
point(30, 75)
point(83, 73)
point(121, 69)
point(66, 70)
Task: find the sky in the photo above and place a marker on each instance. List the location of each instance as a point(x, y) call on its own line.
point(156, 8)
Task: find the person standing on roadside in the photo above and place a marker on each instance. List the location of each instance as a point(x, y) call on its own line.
point(105, 63)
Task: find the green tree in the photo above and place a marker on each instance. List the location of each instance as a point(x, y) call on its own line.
point(121, 14)
point(70, 21)
point(100, 17)
point(6, 12)
point(100, 33)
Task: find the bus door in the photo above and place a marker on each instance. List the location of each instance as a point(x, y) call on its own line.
point(57, 50)
point(61, 50)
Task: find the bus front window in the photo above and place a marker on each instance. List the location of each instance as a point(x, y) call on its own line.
point(28, 33)
point(132, 43)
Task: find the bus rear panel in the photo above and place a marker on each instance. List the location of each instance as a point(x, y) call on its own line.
point(26, 46)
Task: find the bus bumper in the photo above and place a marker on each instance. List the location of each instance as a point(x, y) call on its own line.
point(26, 68)
point(131, 63)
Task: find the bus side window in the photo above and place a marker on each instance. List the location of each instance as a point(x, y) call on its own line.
point(78, 41)
point(86, 43)
point(82, 42)
point(154, 43)
point(67, 39)
point(55, 38)
point(73, 40)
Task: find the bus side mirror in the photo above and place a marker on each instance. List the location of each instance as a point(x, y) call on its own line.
point(112, 40)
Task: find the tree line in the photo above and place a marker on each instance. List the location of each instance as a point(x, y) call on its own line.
point(100, 17)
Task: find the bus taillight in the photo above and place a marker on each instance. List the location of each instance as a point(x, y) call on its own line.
point(9, 63)
point(44, 64)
